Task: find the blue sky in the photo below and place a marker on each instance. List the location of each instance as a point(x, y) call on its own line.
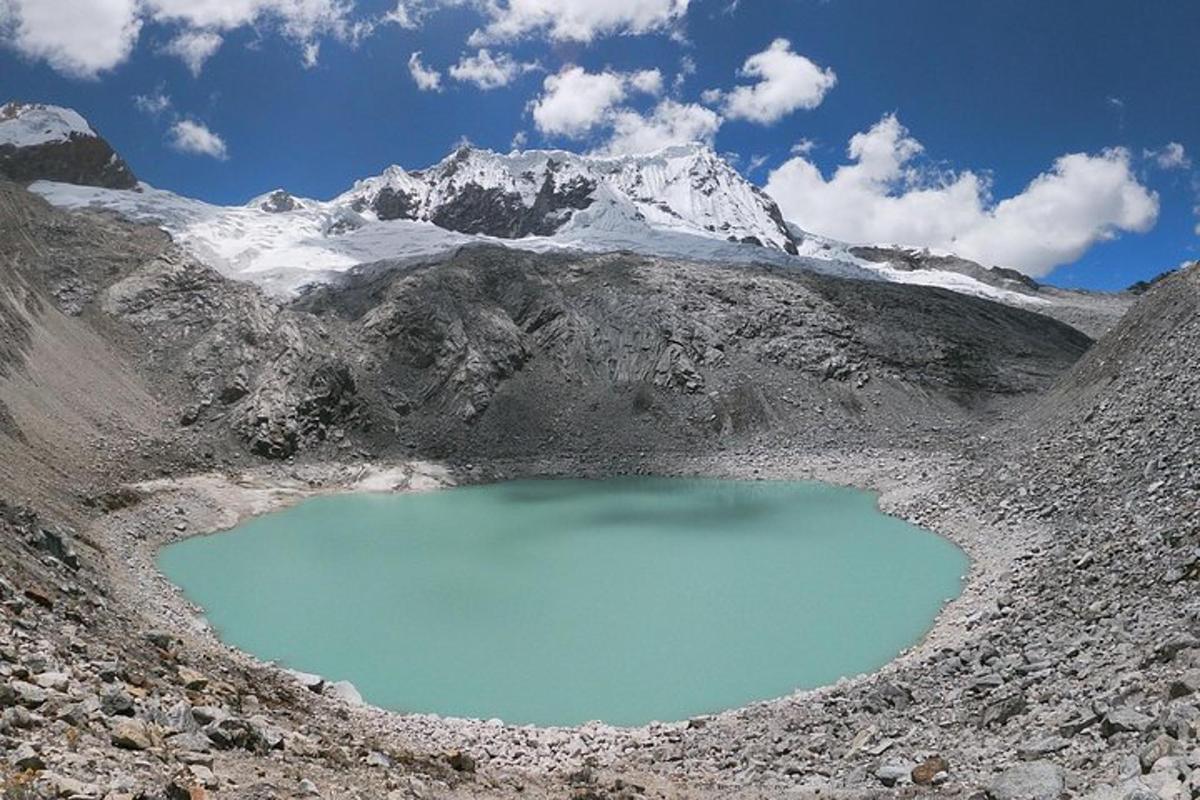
point(996, 92)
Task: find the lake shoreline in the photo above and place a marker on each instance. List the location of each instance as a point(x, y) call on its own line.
point(907, 485)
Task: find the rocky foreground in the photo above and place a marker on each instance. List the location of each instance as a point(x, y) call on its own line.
point(144, 398)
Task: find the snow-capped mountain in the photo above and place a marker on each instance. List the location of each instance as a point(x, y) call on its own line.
point(684, 189)
point(55, 143)
point(680, 202)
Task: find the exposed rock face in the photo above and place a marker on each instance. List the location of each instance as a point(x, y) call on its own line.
point(686, 188)
point(48, 143)
point(491, 337)
point(86, 160)
point(279, 202)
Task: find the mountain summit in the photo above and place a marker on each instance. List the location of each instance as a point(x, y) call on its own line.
point(685, 189)
point(39, 141)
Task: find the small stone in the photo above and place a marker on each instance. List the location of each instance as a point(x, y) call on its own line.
point(132, 735)
point(116, 702)
point(1125, 720)
point(1042, 747)
point(345, 691)
point(1186, 684)
point(893, 772)
point(1159, 748)
point(56, 681)
point(26, 758)
point(191, 679)
point(63, 786)
point(28, 695)
point(308, 789)
point(460, 761)
point(160, 639)
point(1036, 780)
point(926, 773)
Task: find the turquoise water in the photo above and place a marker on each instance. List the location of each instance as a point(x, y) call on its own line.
point(556, 602)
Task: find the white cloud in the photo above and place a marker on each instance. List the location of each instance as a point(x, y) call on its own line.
point(79, 38)
point(669, 123)
point(787, 81)
point(193, 48)
point(648, 81)
point(83, 38)
point(1170, 156)
point(301, 20)
point(803, 147)
point(687, 68)
point(487, 71)
point(575, 20)
point(428, 80)
point(406, 14)
point(152, 104)
point(575, 100)
point(882, 197)
point(189, 136)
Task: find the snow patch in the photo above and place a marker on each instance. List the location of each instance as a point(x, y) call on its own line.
point(26, 124)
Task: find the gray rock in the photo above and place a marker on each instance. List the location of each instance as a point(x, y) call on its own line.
point(1159, 748)
point(1125, 720)
point(1037, 780)
point(115, 701)
point(132, 734)
point(1186, 684)
point(28, 695)
point(26, 758)
point(345, 691)
point(892, 773)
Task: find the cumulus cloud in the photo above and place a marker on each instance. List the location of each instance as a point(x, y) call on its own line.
point(786, 81)
point(79, 38)
point(574, 100)
point(649, 81)
point(1170, 156)
point(427, 79)
point(670, 122)
point(575, 20)
point(193, 48)
point(487, 71)
point(882, 196)
point(189, 136)
point(83, 38)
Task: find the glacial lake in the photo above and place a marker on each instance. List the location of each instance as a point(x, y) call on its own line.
point(555, 602)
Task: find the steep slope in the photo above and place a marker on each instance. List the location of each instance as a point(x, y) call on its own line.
point(493, 348)
point(44, 142)
point(1123, 423)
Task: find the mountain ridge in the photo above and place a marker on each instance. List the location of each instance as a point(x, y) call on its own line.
point(681, 202)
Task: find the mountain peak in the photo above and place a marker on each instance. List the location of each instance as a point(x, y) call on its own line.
point(684, 188)
point(41, 141)
point(31, 124)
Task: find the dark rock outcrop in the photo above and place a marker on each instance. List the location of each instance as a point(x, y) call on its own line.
point(85, 160)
